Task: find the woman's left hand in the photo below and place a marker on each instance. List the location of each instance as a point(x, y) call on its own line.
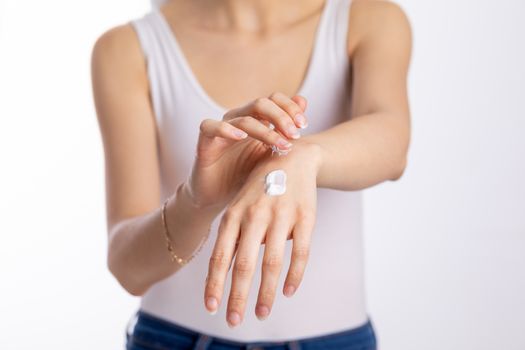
point(254, 217)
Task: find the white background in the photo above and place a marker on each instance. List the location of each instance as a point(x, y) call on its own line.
point(445, 245)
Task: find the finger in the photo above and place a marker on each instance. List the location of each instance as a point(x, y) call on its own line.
point(264, 108)
point(252, 231)
point(293, 109)
point(212, 128)
point(220, 260)
point(254, 128)
point(302, 233)
point(301, 101)
point(272, 264)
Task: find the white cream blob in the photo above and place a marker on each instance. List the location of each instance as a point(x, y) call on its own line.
point(275, 182)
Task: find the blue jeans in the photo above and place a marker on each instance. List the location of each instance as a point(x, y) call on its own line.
point(151, 332)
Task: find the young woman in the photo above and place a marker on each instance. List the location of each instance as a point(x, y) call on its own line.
point(197, 102)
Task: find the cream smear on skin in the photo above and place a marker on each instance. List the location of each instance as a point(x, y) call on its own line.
point(275, 182)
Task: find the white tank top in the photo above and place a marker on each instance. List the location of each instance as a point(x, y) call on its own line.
point(331, 296)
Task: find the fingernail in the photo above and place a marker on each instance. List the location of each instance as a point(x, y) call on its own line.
point(289, 290)
point(283, 143)
point(233, 319)
point(292, 130)
point(262, 312)
point(301, 120)
point(211, 304)
point(240, 133)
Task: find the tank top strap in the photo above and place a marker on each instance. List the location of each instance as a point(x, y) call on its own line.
point(151, 35)
point(162, 62)
point(335, 41)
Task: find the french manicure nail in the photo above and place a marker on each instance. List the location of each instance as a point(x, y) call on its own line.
point(233, 319)
point(292, 130)
point(283, 143)
point(240, 133)
point(301, 120)
point(289, 290)
point(211, 304)
point(262, 312)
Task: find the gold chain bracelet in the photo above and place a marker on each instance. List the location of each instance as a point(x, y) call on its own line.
point(174, 256)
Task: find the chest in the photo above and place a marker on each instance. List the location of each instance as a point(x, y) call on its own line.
point(233, 69)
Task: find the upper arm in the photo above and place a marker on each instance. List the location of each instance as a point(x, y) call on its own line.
point(126, 123)
point(380, 43)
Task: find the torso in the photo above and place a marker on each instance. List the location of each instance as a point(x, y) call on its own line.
point(331, 296)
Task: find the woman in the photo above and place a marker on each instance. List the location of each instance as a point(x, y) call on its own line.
point(197, 102)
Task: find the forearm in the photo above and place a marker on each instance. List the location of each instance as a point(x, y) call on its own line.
point(363, 151)
point(137, 252)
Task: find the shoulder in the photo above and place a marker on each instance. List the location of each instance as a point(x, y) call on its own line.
point(118, 49)
point(118, 75)
point(377, 20)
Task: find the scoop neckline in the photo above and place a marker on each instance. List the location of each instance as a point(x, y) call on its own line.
point(200, 89)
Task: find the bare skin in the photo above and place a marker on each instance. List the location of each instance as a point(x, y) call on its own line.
point(372, 146)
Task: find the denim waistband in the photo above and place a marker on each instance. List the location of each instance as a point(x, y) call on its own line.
point(143, 321)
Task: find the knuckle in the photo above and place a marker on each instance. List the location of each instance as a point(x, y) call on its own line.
point(243, 267)
point(230, 215)
point(305, 213)
point(236, 299)
point(270, 135)
point(224, 126)
point(281, 213)
point(212, 284)
point(275, 95)
point(267, 295)
point(255, 213)
point(281, 222)
point(294, 276)
point(219, 261)
point(272, 262)
point(301, 253)
point(246, 121)
point(286, 123)
point(260, 103)
point(292, 108)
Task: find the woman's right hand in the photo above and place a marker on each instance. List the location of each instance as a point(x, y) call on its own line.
point(228, 149)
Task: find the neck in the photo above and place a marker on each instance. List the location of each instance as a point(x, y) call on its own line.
point(256, 16)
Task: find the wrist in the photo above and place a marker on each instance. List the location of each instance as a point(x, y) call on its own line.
point(310, 152)
point(185, 225)
point(192, 207)
point(305, 157)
